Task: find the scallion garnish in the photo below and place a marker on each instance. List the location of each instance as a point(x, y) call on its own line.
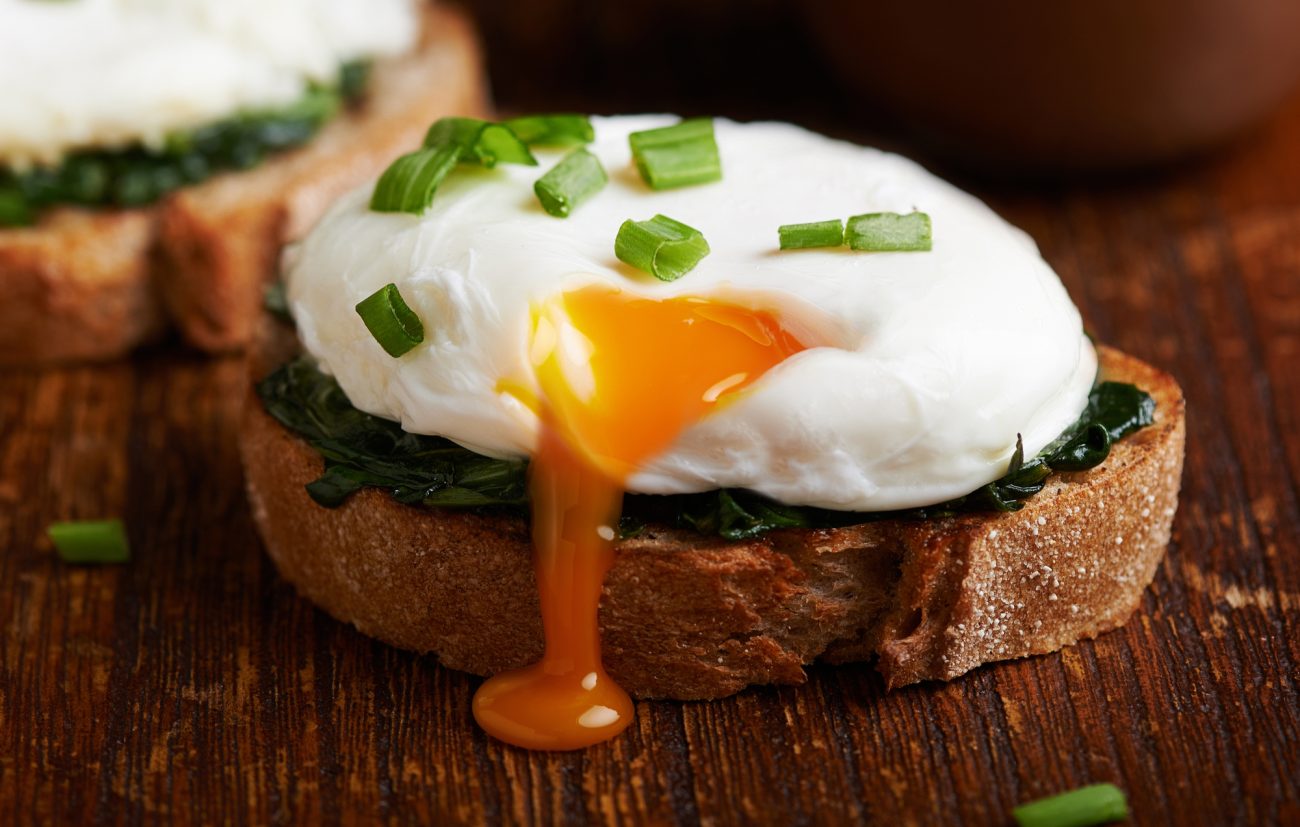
point(570, 182)
point(816, 234)
point(498, 145)
point(460, 132)
point(885, 232)
point(665, 248)
point(481, 142)
point(677, 156)
point(409, 182)
point(691, 129)
point(90, 541)
point(1084, 807)
point(388, 318)
point(552, 130)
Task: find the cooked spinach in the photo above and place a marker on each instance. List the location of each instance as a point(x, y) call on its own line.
point(276, 301)
point(138, 175)
point(361, 450)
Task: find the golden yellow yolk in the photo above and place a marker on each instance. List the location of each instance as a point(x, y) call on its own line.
point(620, 377)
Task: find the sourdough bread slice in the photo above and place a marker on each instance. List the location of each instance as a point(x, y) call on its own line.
point(688, 616)
point(86, 285)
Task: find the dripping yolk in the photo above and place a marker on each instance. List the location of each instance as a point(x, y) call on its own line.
point(620, 377)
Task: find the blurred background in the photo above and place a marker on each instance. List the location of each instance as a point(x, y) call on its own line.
point(1012, 88)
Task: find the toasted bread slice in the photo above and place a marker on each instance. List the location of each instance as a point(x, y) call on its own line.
point(77, 287)
point(687, 616)
point(85, 285)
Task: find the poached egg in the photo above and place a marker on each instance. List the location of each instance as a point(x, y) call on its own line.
point(925, 366)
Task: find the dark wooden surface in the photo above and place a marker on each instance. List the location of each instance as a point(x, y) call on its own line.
point(192, 686)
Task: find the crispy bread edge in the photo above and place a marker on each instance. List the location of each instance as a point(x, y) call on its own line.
point(689, 617)
point(78, 287)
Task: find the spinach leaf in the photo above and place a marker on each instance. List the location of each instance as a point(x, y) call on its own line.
point(739, 514)
point(138, 175)
point(361, 450)
point(1087, 449)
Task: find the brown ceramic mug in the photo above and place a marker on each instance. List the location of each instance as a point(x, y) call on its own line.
point(1066, 85)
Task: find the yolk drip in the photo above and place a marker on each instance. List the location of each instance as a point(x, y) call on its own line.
point(620, 378)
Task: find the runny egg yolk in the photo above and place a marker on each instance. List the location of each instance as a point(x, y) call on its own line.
point(620, 377)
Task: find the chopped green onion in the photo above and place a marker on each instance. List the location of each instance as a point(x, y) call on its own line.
point(459, 132)
point(90, 541)
point(1084, 807)
point(665, 248)
point(553, 130)
point(883, 232)
point(817, 234)
point(692, 129)
point(388, 318)
point(480, 141)
point(678, 155)
point(498, 145)
point(570, 182)
point(409, 183)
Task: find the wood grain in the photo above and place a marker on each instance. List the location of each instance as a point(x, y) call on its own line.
point(192, 686)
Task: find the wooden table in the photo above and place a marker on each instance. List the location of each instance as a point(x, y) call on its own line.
point(193, 686)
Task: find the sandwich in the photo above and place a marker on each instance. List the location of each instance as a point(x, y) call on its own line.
point(672, 408)
point(155, 155)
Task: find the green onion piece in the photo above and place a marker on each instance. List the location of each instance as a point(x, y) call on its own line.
point(409, 183)
point(14, 209)
point(570, 182)
point(886, 232)
point(458, 132)
point(691, 129)
point(665, 248)
point(1084, 807)
point(817, 234)
point(388, 318)
point(552, 130)
point(90, 541)
point(480, 141)
point(677, 156)
point(498, 145)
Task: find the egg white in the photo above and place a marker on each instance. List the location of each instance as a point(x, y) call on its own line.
point(112, 73)
point(935, 361)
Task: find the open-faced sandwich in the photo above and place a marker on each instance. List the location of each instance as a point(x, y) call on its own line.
point(769, 398)
point(154, 154)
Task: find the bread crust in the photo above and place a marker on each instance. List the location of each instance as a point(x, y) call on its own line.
point(77, 287)
point(693, 617)
point(85, 285)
